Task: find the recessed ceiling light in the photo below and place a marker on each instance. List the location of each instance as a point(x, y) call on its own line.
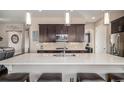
point(93, 18)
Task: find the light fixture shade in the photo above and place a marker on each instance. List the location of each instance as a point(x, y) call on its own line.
point(106, 18)
point(28, 18)
point(67, 18)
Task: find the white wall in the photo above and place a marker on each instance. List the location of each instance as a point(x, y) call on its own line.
point(26, 41)
point(55, 20)
point(3, 34)
point(90, 28)
point(101, 39)
point(13, 28)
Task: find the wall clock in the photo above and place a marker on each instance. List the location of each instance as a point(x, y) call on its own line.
point(15, 38)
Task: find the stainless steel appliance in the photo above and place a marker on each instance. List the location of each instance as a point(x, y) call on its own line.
point(61, 37)
point(117, 44)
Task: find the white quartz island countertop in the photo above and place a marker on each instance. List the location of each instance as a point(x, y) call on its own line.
point(79, 59)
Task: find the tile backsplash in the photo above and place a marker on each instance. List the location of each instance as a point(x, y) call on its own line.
point(70, 46)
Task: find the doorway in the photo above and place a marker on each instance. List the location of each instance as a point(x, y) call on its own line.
point(100, 39)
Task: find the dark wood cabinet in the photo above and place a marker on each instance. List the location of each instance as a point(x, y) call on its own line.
point(61, 29)
point(47, 32)
point(51, 32)
point(65, 29)
point(72, 33)
point(43, 33)
point(76, 33)
point(80, 33)
point(117, 25)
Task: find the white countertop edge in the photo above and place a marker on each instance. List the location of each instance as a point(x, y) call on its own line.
point(61, 64)
point(83, 59)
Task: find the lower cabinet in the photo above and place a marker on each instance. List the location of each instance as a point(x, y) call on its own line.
point(60, 51)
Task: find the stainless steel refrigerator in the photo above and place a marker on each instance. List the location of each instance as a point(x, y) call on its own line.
point(117, 44)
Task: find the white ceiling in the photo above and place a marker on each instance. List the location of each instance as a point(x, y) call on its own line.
point(18, 16)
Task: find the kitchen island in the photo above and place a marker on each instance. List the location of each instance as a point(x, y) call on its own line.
point(68, 64)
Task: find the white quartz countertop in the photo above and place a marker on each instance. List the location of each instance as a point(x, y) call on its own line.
point(49, 59)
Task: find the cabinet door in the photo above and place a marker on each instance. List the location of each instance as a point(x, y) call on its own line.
point(71, 33)
point(117, 25)
point(59, 28)
point(121, 25)
point(114, 27)
point(42, 33)
point(79, 32)
point(65, 29)
point(51, 32)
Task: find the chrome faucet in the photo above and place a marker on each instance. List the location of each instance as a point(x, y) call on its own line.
point(64, 51)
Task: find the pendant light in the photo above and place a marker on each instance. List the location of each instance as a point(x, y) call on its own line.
point(28, 24)
point(67, 18)
point(106, 18)
point(28, 18)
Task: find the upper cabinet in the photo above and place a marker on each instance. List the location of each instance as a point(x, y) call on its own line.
point(61, 29)
point(80, 32)
point(43, 33)
point(117, 25)
point(48, 32)
point(72, 33)
point(76, 33)
point(51, 32)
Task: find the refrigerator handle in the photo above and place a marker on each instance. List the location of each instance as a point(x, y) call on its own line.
point(118, 44)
